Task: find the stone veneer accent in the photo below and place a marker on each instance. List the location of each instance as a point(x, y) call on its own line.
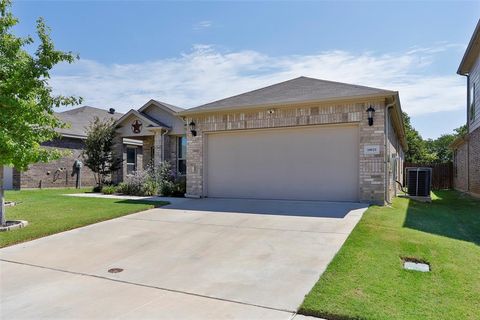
point(147, 151)
point(371, 175)
point(144, 153)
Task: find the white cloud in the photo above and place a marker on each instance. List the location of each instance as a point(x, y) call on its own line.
point(206, 74)
point(203, 25)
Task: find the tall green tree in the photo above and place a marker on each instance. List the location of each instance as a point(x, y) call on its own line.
point(461, 131)
point(417, 149)
point(26, 99)
point(99, 153)
point(440, 147)
point(430, 150)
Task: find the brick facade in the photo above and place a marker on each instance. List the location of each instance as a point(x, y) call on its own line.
point(467, 149)
point(395, 160)
point(460, 168)
point(56, 173)
point(372, 167)
point(467, 164)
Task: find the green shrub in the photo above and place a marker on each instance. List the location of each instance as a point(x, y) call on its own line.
point(166, 188)
point(111, 189)
point(160, 180)
point(122, 188)
point(134, 183)
point(180, 187)
point(97, 189)
point(150, 188)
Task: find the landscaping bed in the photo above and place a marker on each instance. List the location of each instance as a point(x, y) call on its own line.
point(366, 279)
point(48, 211)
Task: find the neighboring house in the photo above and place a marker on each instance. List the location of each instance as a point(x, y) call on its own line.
point(57, 173)
point(467, 149)
point(302, 139)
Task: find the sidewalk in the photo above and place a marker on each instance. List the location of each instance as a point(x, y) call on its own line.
point(172, 200)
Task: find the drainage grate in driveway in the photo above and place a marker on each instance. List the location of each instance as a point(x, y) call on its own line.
point(115, 270)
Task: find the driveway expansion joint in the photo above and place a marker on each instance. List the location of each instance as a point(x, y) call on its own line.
point(233, 226)
point(148, 286)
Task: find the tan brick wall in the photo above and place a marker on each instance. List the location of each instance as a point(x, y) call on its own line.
point(172, 152)
point(371, 175)
point(395, 160)
point(468, 154)
point(460, 168)
point(56, 173)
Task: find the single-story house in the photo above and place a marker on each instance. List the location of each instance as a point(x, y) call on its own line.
point(466, 150)
point(302, 139)
point(57, 173)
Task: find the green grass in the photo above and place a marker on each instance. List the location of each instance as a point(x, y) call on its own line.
point(48, 211)
point(366, 280)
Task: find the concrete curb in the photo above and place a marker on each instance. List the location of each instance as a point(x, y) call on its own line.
point(14, 224)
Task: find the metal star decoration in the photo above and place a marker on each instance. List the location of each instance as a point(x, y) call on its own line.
point(136, 126)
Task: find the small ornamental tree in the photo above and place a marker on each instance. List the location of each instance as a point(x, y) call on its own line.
point(99, 153)
point(26, 100)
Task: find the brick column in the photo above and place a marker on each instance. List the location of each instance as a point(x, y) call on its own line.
point(372, 166)
point(194, 163)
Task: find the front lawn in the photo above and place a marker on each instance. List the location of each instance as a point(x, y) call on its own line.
point(48, 211)
point(366, 280)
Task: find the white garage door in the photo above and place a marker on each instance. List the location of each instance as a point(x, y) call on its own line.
point(302, 163)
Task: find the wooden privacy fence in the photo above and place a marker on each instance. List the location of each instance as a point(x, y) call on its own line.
point(442, 174)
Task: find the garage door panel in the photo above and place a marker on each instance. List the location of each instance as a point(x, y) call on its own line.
point(309, 163)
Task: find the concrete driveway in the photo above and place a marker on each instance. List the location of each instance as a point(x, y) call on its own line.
point(195, 259)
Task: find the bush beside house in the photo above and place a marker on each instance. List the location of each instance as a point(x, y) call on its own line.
point(153, 181)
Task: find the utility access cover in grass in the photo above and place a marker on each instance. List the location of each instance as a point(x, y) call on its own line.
point(415, 265)
point(422, 267)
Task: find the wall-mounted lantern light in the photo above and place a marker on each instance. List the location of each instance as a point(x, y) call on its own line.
point(370, 112)
point(192, 128)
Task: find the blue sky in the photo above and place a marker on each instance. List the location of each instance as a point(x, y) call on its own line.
point(189, 53)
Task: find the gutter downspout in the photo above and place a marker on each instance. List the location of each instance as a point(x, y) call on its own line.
point(387, 150)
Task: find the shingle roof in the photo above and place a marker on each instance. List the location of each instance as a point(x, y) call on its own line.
point(79, 119)
point(141, 115)
point(297, 90)
point(170, 106)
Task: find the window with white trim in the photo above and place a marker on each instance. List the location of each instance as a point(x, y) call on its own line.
point(131, 159)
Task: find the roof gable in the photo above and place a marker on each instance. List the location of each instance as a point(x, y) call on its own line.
point(471, 53)
point(297, 90)
point(149, 121)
